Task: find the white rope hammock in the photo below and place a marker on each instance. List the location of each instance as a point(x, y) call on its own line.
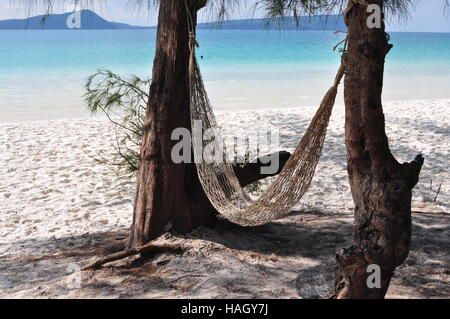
point(219, 180)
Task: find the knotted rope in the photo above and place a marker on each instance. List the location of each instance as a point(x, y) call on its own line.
point(350, 6)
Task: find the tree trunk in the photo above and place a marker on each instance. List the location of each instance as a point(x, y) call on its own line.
point(381, 186)
point(168, 193)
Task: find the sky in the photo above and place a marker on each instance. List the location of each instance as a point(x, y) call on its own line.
point(426, 16)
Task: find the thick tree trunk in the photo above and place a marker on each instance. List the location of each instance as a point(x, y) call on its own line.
point(168, 193)
point(381, 186)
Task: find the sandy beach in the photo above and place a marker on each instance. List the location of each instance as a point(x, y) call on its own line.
point(58, 207)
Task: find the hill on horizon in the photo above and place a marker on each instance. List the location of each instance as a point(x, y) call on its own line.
point(92, 21)
point(89, 21)
point(304, 23)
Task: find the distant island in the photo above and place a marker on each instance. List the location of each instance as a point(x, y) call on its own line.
point(305, 23)
point(90, 20)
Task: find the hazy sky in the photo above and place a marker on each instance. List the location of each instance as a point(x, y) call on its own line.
point(427, 16)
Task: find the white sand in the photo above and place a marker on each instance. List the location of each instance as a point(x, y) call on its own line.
point(54, 198)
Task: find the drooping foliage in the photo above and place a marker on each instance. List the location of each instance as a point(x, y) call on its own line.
point(124, 103)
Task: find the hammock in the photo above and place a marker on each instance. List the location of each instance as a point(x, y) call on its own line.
point(219, 180)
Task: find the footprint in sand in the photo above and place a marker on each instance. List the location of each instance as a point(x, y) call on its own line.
point(47, 191)
point(91, 204)
point(84, 174)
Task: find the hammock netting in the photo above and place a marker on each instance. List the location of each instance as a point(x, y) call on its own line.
point(219, 180)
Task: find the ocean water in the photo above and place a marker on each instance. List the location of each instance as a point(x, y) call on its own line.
point(42, 73)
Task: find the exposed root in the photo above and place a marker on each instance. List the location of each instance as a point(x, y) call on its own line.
point(146, 249)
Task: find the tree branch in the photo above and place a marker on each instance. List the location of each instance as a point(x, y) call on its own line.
point(251, 172)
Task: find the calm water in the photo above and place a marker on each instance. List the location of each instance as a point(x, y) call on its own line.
point(42, 72)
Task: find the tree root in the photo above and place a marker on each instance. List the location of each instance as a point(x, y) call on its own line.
point(146, 249)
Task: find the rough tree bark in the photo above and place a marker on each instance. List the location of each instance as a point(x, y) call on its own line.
point(381, 186)
point(164, 188)
point(168, 193)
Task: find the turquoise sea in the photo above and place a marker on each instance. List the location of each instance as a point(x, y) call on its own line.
point(42, 73)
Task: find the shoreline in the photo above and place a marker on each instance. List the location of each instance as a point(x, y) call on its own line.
point(220, 111)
